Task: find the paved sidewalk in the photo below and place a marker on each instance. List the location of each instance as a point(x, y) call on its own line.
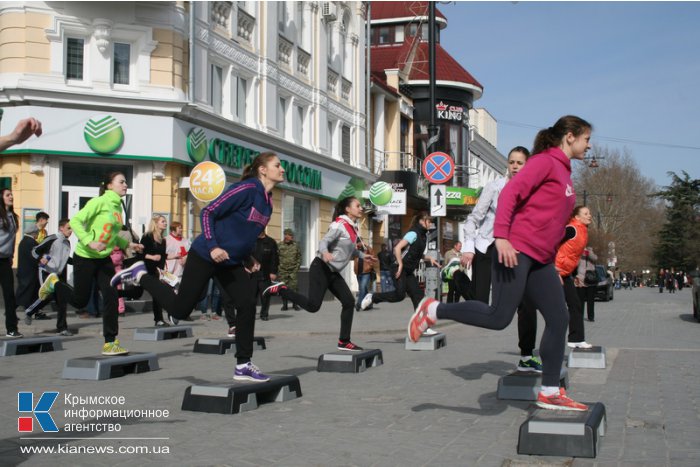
point(419, 408)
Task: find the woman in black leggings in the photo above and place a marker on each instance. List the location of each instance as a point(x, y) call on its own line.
point(230, 224)
point(336, 249)
point(533, 210)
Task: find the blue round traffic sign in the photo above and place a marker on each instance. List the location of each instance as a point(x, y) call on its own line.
point(438, 167)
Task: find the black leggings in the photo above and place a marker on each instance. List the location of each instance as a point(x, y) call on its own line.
point(407, 283)
point(7, 282)
point(321, 278)
point(577, 331)
point(235, 282)
point(540, 283)
point(85, 270)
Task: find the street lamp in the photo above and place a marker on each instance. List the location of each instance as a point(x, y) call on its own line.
point(593, 164)
point(608, 196)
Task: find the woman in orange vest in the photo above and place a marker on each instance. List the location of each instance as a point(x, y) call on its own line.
point(566, 261)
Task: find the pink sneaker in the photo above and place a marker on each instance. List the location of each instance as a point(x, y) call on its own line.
point(420, 321)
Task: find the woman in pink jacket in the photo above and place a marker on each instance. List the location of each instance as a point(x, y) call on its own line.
point(533, 210)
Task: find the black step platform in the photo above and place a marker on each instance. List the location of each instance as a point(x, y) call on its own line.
point(220, 346)
point(27, 345)
point(240, 396)
point(160, 333)
point(349, 362)
point(525, 385)
point(104, 367)
point(563, 432)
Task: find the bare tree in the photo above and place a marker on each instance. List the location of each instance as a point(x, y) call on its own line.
point(626, 219)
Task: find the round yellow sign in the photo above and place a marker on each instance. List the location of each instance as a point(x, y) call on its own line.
point(207, 181)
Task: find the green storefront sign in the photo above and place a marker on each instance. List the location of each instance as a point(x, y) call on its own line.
point(458, 196)
point(232, 155)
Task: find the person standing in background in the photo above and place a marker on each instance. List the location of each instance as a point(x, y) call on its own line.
point(267, 255)
point(290, 262)
point(8, 230)
point(385, 258)
point(454, 253)
point(586, 292)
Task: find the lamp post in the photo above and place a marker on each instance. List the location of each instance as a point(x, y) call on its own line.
point(586, 194)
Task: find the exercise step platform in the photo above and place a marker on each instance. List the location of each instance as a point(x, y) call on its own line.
point(563, 433)
point(349, 362)
point(587, 358)
point(158, 333)
point(433, 342)
point(104, 367)
point(27, 345)
point(224, 345)
point(525, 385)
point(241, 396)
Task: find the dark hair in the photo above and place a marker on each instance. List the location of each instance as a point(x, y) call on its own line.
point(63, 222)
point(342, 206)
point(4, 211)
point(41, 215)
point(577, 210)
point(109, 177)
point(420, 215)
point(174, 225)
point(552, 136)
point(252, 170)
point(519, 149)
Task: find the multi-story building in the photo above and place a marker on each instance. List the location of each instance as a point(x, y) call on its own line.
point(150, 88)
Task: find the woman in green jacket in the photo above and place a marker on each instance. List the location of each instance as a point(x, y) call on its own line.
point(97, 226)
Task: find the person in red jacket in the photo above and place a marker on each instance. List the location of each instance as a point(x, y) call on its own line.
point(533, 210)
point(566, 262)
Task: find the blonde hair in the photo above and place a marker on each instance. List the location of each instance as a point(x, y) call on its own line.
point(153, 228)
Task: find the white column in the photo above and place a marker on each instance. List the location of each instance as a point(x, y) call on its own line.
point(379, 127)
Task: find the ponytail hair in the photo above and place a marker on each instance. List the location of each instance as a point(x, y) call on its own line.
point(420, 215)
point(553, 136)
point(4, 211)
point(577, 210)
point(520, 149)
point(252, 170)
point(108, 178)
point(341, 206)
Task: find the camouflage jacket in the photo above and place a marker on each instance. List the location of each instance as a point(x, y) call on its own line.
point(290, 256)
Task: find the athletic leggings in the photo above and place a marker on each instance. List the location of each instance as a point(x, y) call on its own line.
point(540, 283)
point(235, 282)
point(85, 270)
point(7, 282)
point(407, 283)
point(321, 278)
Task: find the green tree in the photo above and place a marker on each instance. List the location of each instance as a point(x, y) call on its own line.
point(678, 241)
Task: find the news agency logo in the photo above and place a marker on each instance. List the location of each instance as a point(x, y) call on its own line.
point(25, 404)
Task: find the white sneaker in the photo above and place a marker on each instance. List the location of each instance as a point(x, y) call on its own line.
point(366, 302)
point(429, 332)
point(580, 345)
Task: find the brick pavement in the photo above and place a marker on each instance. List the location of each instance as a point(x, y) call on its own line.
point(419, 408)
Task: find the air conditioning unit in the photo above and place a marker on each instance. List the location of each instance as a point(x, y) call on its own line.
point(329, 11)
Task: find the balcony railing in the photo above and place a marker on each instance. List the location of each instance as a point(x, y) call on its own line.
point(345, 91)
point(303, 59)
point(333, 81)
point(220, 13)
point(246, 25)
point(284, 50)
point(394, 160)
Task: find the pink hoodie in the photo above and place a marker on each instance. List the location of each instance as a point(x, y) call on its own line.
point(535, 206)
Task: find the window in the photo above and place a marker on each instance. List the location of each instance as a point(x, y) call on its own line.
point(215, 96)
point(282, 116)
point(399, 34)
point(346, 144)
point(122, 63)
point(301, 25)
point(385, 33)
point(75, 48)
point(282, 16)
point(299, 125)
point(239, 89)
point(297, 216)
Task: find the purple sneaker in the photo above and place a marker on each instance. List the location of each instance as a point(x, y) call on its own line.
point(250, 372)
point(129, 276)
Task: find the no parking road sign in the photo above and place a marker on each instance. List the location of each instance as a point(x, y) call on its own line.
point(438, 167)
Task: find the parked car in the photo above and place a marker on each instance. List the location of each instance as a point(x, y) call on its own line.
point(606, 286)
point(695, 277)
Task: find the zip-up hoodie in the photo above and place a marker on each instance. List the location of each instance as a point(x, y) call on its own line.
point(7, 237)
point(99, 221)
point(340, 244)
point(534, 207)
point(59, 251)
point(234, 220)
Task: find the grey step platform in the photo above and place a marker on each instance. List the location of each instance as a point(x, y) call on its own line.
point(563, 432)
point(587, 358)
point(434, 342)
point(30, 345)
point(161, 333)
point(241, 396)
point(349, 362)
point(220, 346)
point(104, 367)
point(525, 385)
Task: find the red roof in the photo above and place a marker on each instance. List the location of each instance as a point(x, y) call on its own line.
point(389, 10)
point(385, 57)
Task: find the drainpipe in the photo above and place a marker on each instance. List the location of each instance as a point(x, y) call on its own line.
point(368, 93)
point(190, 98)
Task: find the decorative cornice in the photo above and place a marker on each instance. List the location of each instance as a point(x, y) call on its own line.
point(300, 89)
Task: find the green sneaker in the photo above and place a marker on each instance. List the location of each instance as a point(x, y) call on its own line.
point(113, 348)
point(531, 364)
point(47, 287)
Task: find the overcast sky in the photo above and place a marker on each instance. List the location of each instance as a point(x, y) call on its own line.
point(630, 68)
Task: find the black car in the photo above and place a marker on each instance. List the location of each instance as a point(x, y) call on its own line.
point(604, 289)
